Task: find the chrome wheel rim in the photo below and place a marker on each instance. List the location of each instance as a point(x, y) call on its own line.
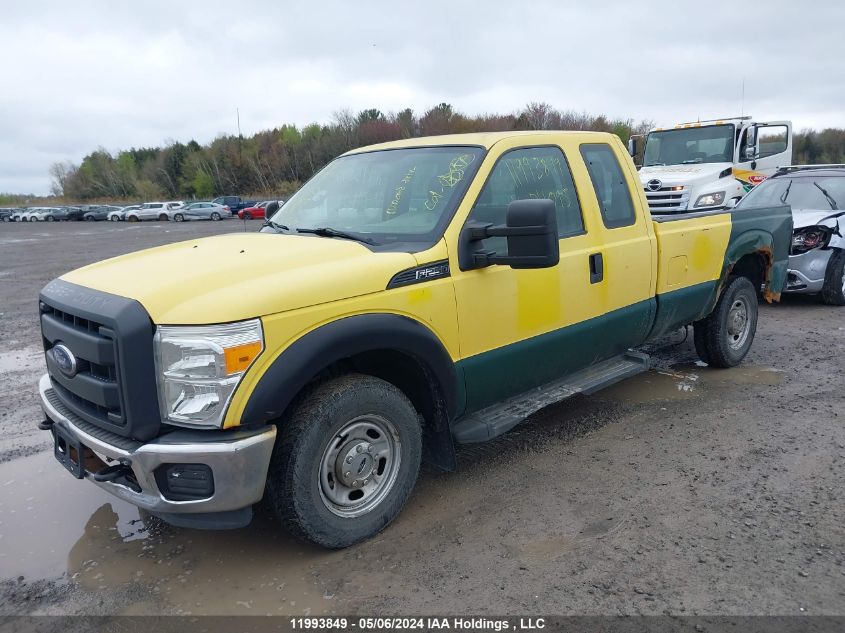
point(739, 323)
point(360, 466)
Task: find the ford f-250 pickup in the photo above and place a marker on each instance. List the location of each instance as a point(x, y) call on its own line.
point(411, 296)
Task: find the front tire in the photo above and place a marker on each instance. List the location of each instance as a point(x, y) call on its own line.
point(723, 338)
point(345, 461)
point(247, 216)
point(833, 291)
point(178, 217)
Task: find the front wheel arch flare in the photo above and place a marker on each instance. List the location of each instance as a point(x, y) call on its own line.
point(345, 338)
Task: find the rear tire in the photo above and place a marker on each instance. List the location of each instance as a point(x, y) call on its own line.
point(247, 216)
point(163, 217)
point(354, 419)
point(833, 291)
point(215, 216)
point(50, 218)
point(723, 338)
point(114, 218)
point(132, 218)
point(89, 218)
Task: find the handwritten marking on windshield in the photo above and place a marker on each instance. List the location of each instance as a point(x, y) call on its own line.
point(457, 167)
point(400, 191)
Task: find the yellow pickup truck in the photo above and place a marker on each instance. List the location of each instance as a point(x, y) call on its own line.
point(411, 296)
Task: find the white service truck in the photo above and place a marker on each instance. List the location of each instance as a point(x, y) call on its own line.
point(710, 165)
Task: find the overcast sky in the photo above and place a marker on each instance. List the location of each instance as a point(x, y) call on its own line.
point(78, 75)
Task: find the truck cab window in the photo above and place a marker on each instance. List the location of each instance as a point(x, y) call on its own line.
point(772, 140)
point(612, 192)
point(536, 172)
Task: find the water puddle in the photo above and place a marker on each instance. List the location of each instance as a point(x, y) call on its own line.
point(685, 381)
point(52, 526)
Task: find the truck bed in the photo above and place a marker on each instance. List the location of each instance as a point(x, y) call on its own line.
point(697, 250)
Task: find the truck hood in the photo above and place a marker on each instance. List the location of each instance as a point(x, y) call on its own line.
point(241, 275)
point(690, 175)
point(812, 217)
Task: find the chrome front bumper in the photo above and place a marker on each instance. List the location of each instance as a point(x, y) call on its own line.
point(238, 461)
point(806, 271)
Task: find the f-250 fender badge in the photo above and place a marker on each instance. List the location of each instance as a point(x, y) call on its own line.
point(426, 272)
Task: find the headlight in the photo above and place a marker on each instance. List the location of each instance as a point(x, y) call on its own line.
point(810, 237)
point(199, 367)
point(710, 199)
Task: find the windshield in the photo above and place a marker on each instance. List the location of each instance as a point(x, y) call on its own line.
point(800, 192)
point(389, 195)
point(686, 146)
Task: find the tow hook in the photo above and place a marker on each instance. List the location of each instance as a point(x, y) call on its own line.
point(45, 425)
point(119, 473)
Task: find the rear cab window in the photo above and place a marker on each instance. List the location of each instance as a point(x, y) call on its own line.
point(612, 191)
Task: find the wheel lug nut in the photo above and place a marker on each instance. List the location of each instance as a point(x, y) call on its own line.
point(347, 474)
point(356, 483)
point(359, 448)
point(349, 459)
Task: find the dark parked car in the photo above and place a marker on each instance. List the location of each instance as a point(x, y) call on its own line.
point(59, 214)
point(6, 214)
point(99, 213)
point(74, 213)
point(235, 203)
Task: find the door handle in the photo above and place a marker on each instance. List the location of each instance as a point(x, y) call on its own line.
point(596, 268)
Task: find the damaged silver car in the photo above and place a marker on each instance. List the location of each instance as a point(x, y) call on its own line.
point(816, 194)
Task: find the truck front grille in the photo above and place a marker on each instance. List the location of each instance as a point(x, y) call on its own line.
point(93, 390)
point(667, 200)
point(106, 374)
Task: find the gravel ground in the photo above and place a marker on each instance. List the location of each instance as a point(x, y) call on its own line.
point(685, 490)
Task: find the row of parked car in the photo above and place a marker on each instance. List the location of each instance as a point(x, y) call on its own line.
point(220, 208)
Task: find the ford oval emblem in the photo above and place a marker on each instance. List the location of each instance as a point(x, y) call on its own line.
point(65, 360)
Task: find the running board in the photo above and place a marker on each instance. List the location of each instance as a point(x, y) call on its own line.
point(502, 417)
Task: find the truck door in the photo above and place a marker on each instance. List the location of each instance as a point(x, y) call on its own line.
point(772, 148)
point(624, 239)
point(519, 329)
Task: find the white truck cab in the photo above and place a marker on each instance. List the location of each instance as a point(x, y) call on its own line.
point(710, 165)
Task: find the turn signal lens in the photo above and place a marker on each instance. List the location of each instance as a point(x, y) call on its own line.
point(240, 357)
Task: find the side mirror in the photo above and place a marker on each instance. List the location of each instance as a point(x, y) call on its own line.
point(751, 144)
point(632, 146)
point(531, 233)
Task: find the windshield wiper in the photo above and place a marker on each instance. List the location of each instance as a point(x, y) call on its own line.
point(275, 225)
point(327, 231)
point(656, 165)
point(833, 204)
point(786, 192)
point(690, 161)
